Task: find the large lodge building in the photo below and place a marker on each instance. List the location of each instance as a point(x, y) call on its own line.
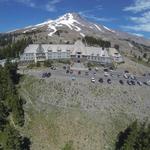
point(78, 52)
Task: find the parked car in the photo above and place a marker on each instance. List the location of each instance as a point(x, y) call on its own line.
point(73, 78)
point(139, 83)
point(111, 69)
point(71, 71)
point(109, 81)
point(121, 82)
point(106, 74)
point(96, 69)
point(53, 68)
point(145, 83)
point(132, 82)
point(43, 75)
point(46, 75)
point(144, 74)
point(126, 71)
point(94, 73)
point(67, 71)
point(93, 80)
point(90, 69)
point(101, 80)
point(129, 82)
point(79, 72)
point(148, 83)
point(105, 70)
point(64, 67)
point(125, 76)
point(132, 77)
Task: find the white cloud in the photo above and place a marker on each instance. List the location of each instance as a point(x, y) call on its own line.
point(138, 6)
point(140, 27)
point(29, 3)
point(47, 6)
point(141, 19)
point(101, 19)
point(88, 14)
point(137, 34)
point(51, 5)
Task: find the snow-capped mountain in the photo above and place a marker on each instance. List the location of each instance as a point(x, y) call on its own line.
point(72, 26)
point(72, 21)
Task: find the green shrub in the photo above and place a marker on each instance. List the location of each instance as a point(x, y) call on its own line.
point(48, 63)
point(68, 146)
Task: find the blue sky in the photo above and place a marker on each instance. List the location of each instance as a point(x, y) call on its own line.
point(132, 16)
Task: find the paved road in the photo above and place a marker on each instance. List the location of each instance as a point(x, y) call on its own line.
point(61, 73)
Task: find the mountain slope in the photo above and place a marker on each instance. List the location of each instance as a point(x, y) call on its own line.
point(72, 26)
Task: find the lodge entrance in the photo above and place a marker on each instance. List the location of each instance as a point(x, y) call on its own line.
point(78, 57)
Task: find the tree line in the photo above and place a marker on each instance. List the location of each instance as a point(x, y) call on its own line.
point(96, 42)
point(135, 137)
point(11, 49)
point(11, 111)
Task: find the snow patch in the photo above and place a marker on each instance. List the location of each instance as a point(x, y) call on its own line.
point(67, 20)
point(109, 29)
point(52, 28)
point(98, 27)
point(82, 34)
point(130, 45)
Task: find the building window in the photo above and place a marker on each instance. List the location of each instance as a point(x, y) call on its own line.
point(49, 51)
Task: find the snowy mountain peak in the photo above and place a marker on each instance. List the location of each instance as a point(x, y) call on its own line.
point(72, 21)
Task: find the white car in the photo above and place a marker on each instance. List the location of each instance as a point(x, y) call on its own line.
point(96, 69)
point(106, 74)
point(93, 80)
point(148, 83)
point(125, 76)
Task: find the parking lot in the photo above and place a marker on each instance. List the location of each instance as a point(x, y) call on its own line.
point(94, 75)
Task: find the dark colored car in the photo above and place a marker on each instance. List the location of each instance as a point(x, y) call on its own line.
point(79, 72)
point(101, 80)
point(46, 75)
point(53, 68)
point(105, 70)
point(64, 67)
point(144, 75)
point(67, 71)
point(111, 68)
point(121, 82)
point(109, 81)
point(71, 71)
point(145, 83)
point(126, 71)
point(132, 82)
point(90, 69)
point(129, 82)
